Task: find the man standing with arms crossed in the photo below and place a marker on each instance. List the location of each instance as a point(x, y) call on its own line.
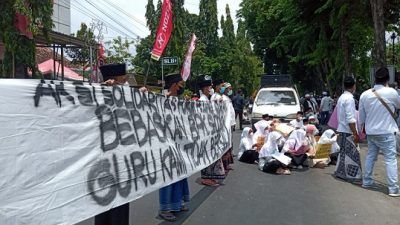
point(377, 114)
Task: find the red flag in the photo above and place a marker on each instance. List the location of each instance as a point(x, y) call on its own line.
point(185, 72)
point(163, 31)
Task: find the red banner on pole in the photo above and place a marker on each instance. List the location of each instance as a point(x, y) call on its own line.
point(164, 30)
point(185, 72)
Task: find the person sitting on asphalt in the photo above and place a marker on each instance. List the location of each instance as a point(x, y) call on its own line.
point(247, 150)
point(328, 137)
point(312, 120)
point(267, 163)
point(298, 122)
point(296, 147)
point(261, 134)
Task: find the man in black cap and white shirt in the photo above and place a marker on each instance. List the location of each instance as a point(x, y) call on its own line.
point(377, 113)
point(215, 171)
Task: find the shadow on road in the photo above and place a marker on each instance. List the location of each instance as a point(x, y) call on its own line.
point(377, 187)
point(195, 203)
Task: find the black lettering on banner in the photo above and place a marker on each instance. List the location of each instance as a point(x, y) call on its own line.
point(138, 124)
point(138, 168)
point(152, 179)
point(137, 97)
point(84, 95)
point(61, 91)
point(164, 167)
point(128, 104)
point(43, 89)
point(123, 191)
point(100, 173)
point(203, 154)
point(178, 129)
point(107, 128)
point(117, 95)
point(108, 97)
point(200, 123)
point(193, 129)
point(94, 96)
point(122, 115)
point(151, 97)
point(188, 148)
point(157, 119)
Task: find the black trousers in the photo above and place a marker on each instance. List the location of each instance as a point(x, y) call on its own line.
point(115, 216)
point(249, 156)
point(273, 166)
point(298, 160)
point(240, 114)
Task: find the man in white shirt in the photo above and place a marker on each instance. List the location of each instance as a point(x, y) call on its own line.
point(348, 166)
point(325, 108)
point(380, 127)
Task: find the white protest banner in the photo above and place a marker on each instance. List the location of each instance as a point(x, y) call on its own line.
point(69, 151)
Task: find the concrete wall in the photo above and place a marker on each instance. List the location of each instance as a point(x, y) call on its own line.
point(62, 16)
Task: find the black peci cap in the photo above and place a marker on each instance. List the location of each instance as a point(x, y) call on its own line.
point(204, 81)
point(112, 70)
point(171, 79)
point(382, 73)
point(218, 82)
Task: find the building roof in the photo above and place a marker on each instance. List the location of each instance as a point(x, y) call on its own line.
point(60, 39)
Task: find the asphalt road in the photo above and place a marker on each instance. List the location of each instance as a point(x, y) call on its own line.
point(249, 196)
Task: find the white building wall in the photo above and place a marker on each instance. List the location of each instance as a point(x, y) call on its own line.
point(62, 16)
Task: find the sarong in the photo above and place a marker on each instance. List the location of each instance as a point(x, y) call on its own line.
point(214, 171)
point(348, 166)
point(174, 195)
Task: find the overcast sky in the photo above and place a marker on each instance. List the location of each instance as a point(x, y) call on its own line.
point(130, 21)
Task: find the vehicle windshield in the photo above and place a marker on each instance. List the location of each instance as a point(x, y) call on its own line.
point(276, 97)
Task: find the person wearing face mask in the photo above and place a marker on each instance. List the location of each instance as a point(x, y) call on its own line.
point(349, 157)
point(227, 158)
point(298, 122)
point(247, 150)
point(218, 85)
point(215, 171)
point(174, 197)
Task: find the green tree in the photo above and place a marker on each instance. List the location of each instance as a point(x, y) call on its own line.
point(119, 50)
point(208, 26)
point(82, 55)
point(20, 50)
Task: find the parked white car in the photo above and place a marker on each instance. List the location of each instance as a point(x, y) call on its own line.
point(280, 102)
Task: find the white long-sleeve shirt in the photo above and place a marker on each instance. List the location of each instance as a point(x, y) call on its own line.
point(374, 115)
point(346, 112)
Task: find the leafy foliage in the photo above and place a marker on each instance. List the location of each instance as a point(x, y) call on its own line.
point(19, 48)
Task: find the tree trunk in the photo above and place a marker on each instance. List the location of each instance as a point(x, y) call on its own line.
point(378, 53)
point(345, 46)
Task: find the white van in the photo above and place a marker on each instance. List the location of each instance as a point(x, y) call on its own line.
point(280, 102)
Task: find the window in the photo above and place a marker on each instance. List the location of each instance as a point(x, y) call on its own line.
point(276, 97)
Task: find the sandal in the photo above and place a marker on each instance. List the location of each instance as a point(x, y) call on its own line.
point(184, 208)
point(210, 183)
point(168, 216)
point(286, 172)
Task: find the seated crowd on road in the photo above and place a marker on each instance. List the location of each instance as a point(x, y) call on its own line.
point(277, 146)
